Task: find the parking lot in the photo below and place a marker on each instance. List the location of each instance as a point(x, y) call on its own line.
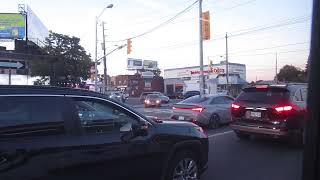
point(232, 158)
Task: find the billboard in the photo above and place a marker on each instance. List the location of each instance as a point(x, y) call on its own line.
point(37, 31)
point(134, 64)
point(150, 65)
point(12, 26)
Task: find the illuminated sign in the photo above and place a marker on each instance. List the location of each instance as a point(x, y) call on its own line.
point(12, 26)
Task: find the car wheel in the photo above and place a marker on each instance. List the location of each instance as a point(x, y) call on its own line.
point(214, 121)
point(184, 165)
point(242, 136)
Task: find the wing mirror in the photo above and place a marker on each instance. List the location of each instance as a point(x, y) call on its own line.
point(139, 129)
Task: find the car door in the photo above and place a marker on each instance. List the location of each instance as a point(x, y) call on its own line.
point(221, 105)
point(33, 136)
point(101, 152)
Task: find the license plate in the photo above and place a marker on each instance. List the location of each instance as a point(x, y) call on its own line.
point(181, 117)
point(255, 114)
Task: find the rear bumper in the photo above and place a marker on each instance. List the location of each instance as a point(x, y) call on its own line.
point(258, 130)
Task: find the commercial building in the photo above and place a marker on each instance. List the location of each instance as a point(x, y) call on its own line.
point(187, 78)
point(134, 85)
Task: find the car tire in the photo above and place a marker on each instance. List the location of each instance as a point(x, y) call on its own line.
point(242, 136)
point(177, 166)
point(214, 121)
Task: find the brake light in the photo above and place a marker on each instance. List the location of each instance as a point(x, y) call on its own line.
point(284, 109)
point(261, 86)
point(197, 109)
point(235, 106)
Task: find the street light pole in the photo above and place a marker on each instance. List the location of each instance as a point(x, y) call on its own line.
point(96, 58)
point(201, 78)
point(96, 48)
point(227, 62)
point(104, 84)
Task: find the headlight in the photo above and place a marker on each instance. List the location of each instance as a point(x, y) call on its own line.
point(147, 101)
point(158, 101)
point(119, 96)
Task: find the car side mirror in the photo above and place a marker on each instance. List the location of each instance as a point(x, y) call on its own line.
point(139, 129)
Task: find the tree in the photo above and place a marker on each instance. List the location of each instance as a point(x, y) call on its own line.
point(289, 73)
point(66, 62)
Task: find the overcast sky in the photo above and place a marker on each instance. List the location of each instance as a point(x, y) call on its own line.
point(282, 26)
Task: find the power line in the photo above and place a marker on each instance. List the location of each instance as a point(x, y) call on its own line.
point(260, 49)
point(245, 31)
point(161, 24)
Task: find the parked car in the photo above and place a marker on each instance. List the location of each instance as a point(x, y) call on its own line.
point(117, 95)
point(278, 111)
point(175, 95)
point(152, 100)
point(190, 94)
point(208, 110)
point(62, 133)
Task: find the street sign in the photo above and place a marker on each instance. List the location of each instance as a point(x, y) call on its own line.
point(12, 64)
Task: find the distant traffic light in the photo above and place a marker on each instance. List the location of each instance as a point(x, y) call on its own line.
point(129, 46)
point(206, 25)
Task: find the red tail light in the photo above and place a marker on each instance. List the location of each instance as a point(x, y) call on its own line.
point(283, 109)
point(197, 109)
point(235, 106)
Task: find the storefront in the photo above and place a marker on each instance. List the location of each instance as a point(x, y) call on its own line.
point(188, 77)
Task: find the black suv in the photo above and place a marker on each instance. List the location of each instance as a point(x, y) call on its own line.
point(273, 110)
point(62, 133)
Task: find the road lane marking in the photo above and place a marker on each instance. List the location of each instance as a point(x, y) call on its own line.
point(219, 134)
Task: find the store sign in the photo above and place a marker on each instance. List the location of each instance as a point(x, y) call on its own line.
point(213, 70)
point(147, 74)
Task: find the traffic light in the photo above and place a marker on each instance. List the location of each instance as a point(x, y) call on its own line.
point(206, 25)
point(129, 46)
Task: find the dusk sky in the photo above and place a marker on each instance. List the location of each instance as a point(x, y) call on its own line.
point(258, 30)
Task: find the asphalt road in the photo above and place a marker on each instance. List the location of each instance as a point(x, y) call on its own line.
point(233, 159)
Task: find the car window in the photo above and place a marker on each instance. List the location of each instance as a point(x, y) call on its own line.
point(267, 95)
point(99, 116)
point(304, 93)
point(37, 116)
point(219, 100)
point(153, 96)
point(297, 95)
point(195, 99)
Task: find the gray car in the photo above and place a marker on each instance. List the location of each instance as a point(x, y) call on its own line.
point(209, 110)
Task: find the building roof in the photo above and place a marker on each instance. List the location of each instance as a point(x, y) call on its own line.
point(221, 63)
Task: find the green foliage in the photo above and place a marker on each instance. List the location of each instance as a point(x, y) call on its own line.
point(66, 62)
point(289, 73)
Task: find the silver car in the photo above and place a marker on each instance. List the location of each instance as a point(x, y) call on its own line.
point(209, 110)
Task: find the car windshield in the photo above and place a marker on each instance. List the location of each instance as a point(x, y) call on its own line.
point(153, 96)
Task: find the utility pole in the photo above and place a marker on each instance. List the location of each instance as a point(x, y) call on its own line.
point(201, 78)
point(276, 77)
point(105, 84)
point(96, 59)
point(227, 62)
